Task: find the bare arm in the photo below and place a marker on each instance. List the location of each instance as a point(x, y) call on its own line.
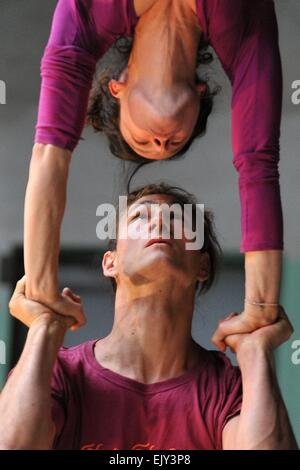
point(263, 275)
point(45, 203)
point(263, 278)
point(25, 402)
point(263, 423)
point(44, 209)
point(262, 284)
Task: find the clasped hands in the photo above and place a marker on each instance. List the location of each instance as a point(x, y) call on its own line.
point(267, 328)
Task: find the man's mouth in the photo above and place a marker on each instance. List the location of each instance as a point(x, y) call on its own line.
point(160, 241)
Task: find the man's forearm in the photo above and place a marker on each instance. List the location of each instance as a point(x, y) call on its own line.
point(263, 422)
point(44, 209)
point(25, 402)
point(263, 277)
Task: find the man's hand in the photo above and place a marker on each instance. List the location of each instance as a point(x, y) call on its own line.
point(251, 319)
point(267, 337)
point(27, 311)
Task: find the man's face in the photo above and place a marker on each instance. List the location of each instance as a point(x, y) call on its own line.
point(147, 248)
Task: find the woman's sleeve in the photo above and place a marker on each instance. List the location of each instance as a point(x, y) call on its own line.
point(250, 55)
point(256, 116)
point(67, 70)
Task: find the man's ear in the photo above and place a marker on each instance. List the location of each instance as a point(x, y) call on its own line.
point(201, 89)
point(204, 270)
point(109, 264)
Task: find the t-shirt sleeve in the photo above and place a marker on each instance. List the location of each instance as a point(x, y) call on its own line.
point(82, 31)
point(245, 36)
point(58, 394)
point(59, 399)
point(66, 402)
point(228, 396)
point(232, 401)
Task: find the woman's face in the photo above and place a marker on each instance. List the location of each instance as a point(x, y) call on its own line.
point(157, 126)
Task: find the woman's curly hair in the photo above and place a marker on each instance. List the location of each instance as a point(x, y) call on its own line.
point(103, 110)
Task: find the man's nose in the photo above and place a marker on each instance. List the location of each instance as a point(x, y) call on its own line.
point(159, 223)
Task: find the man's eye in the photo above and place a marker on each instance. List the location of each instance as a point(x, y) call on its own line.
point(139, 215)
point(177, 216)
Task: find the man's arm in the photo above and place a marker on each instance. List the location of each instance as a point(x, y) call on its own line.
point(45, 203)
point(263, 423)
point(25, 402)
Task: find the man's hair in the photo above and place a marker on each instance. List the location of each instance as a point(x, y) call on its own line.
point(181, 197)
point(104, 110)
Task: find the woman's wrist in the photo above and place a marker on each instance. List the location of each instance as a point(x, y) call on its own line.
point(46, 293)
point(263, 278)
point(268, 311)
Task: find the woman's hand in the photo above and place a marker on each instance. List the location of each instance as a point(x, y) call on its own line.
point(66, 304)
point(251, 319)
point(27, 311)
point(267, 338)
point(45, 203)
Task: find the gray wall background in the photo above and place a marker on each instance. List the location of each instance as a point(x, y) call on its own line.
point(206, 171)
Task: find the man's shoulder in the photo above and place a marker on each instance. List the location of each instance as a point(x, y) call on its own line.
point(218, 363)
point(72, 356)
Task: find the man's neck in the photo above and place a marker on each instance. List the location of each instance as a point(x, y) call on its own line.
point(151, 336)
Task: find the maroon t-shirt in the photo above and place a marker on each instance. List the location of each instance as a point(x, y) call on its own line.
point(96, 408)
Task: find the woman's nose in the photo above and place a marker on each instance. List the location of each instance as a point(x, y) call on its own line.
point(162, 143)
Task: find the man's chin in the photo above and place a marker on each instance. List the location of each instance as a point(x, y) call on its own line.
point(160, 269)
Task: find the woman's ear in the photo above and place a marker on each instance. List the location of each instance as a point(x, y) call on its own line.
point(201, 89)
point(109, 264)
point(204, 271)
point(115, 87)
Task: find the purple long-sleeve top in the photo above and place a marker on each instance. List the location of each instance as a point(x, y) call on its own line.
point(244, 35)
